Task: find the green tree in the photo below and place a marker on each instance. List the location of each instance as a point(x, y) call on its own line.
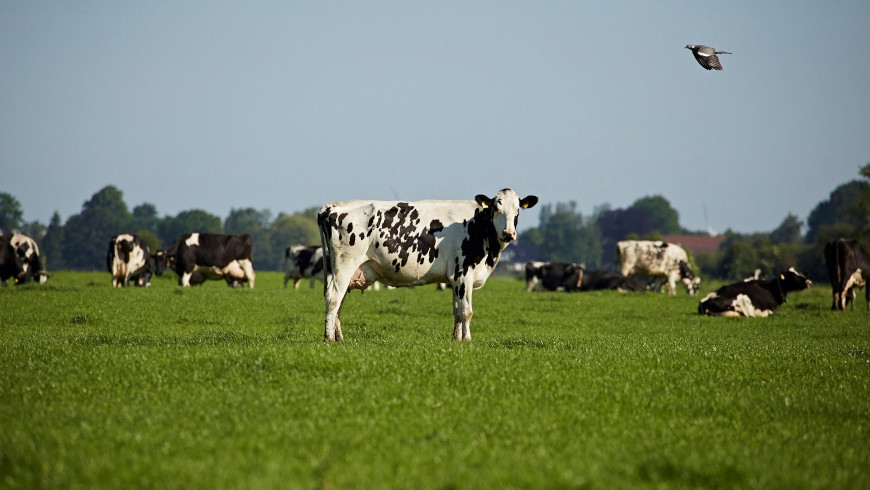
point(145, 218)
point(789, 231)
point(291, 229)
point(11, 215)
point(664, 218)
point(255, 223)
point(194, 220)
point(87, 234)
point(51, 247)
point(836, 209)
point(567, 237)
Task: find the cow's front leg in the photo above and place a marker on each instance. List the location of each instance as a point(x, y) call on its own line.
point(185, 279)
point(462, 311)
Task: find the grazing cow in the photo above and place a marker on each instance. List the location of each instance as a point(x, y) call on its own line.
point(28, 252)
point(607, 280)
point(553, 276)
point(759, 298)
point(303, 261)
point(129, 258)
point(10, 263)
point(848, 268)
point(657, 259)
point(196, 257)
point(414, 243)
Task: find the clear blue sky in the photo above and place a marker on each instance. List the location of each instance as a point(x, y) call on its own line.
point(285, 105)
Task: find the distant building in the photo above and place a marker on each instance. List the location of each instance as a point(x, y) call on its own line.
point(697, 244)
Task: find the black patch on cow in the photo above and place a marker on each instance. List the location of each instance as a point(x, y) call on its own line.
point(352, 240)
point(480, 243)
point(401, 235)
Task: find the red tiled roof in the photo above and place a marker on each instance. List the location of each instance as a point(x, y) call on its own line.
point(697, 244)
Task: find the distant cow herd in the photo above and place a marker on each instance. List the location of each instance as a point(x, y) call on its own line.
point(455, 244)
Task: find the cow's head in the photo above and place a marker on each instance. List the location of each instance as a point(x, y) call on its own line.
point(692, 282)
point(162, 260)
point(505, 208)
point(792, 280)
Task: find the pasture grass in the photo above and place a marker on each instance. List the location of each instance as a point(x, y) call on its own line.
point(212, 387)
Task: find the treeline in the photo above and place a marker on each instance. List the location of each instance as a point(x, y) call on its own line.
point(563, 233)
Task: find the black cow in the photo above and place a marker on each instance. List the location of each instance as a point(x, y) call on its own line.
point(129, 258)
point(303, 261)
point(10, 263)
point(553, 276)
point(609, 280)
point(848, 268)
point(196, 257)
point(758, 298)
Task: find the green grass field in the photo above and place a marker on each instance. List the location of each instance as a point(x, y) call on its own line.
point(213, 387)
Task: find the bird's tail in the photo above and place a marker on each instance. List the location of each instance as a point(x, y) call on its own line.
point(723, 52)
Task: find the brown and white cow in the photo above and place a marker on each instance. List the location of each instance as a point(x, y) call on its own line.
point(657, 259)
point(414, 243)
point(848, 269)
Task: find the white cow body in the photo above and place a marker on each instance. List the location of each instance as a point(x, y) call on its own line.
point(415, 243)
point(657, 259)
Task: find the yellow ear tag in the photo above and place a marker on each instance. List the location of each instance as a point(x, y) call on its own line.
point(782, 276)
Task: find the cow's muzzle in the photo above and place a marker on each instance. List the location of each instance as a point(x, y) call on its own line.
point(508, 236)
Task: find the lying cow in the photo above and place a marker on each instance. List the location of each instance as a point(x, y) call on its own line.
point(196, 257)
point(303, 261)
point(657, 259)
point(607, 280)
point(758, 298)
point(129, 259)
point(553, 276)
point(414, 243)
point(848, 269)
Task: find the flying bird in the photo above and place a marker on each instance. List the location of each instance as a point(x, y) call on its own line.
point(706, 56)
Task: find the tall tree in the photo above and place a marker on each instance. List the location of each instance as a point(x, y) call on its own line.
point(567, 237)
point(291, 229)
point(255, 223)
point(194, 220)
point(52, 244)
point(145, 218)
point(87, 234)
point(789, 231)
point(664, 218)
point(836, 209)
point(11, 215)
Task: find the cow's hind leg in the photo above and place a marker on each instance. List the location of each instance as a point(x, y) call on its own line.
point(334, 292)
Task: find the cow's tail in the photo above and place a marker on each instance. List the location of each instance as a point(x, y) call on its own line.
point(325, 229)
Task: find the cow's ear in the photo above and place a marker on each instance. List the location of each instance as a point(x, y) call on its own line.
point(483, 201)
point(528, 202)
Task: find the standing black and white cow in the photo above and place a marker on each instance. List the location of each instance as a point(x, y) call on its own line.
point(196, 257)
point(848, 269)
point(414, 243)
point(303, 261)
point(10, 263)
point(553, 276)
point(28, 253)
point(757, 297)
point(129, 258)
point(657, 259)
